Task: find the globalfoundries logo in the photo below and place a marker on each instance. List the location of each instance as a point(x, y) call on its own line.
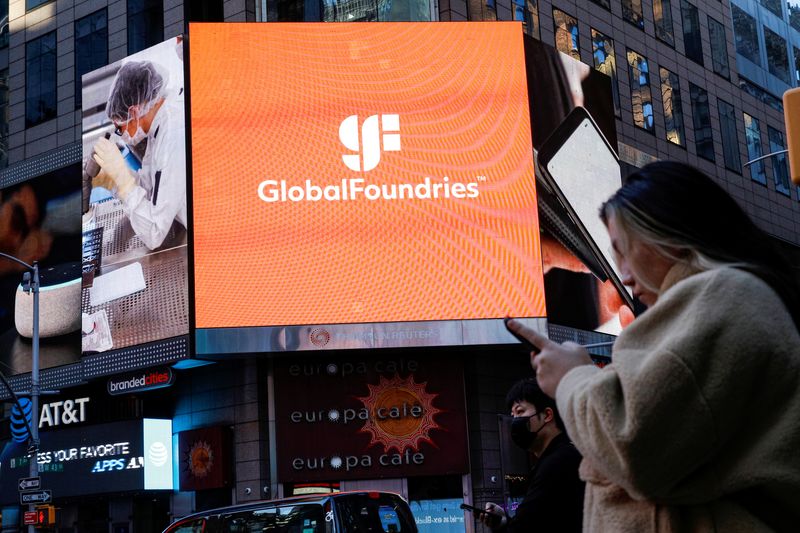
point(378, 134)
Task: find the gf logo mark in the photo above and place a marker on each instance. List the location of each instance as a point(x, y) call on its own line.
point(369, 146)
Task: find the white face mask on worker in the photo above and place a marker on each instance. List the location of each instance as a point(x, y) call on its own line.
point(138, 136)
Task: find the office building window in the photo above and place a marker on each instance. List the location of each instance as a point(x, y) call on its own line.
point(673, 108)
point(691, 32)
point(794, 13)
point(566, 28)
point(796, 66)
point(730, 137)
point(3, 118)
point(33, 4)
point(206, 11)
point(91, 47)
point(701, 115)
point(777, 55)
point(40, 79)
point(641, 98)
point(774, 6)
point(752, 132)
point(3, 23)
point(662, 16)
point(145, 24)
point(603, 3)
point(780, 168)
point(719, 48)
point(745, 34)
point(632, 12)
point(605, 62)
point(527, 11)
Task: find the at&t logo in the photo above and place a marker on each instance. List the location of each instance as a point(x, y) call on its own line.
point(369, 146)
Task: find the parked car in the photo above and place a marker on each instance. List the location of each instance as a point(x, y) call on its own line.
point(339, 512)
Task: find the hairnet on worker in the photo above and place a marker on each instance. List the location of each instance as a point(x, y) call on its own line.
point(139, 84)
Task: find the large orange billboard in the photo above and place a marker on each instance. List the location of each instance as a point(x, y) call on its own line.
point(362, 173)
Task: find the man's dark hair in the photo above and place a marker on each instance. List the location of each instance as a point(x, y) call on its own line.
point(528, 390)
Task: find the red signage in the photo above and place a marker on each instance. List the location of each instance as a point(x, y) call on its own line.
point(205, 456)
point(379, 418)
point(31, 518)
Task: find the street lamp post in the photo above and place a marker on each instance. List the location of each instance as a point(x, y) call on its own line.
point(32, 275)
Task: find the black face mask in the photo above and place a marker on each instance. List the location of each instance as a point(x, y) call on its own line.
point(521, 433)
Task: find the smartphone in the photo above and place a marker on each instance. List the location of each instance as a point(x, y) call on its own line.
point(525, 342)
point(468, 507)
point(582, 170)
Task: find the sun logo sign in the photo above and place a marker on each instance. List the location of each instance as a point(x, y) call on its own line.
point(376, 128)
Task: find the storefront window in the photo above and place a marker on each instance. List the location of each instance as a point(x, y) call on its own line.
point(641, 98)
point(779, 164)
point(719, 48)
point(691, 32)
point(745, 34)
point(701, 115)
point(632, 12)
point(566, 28)
point(752, 131)
point(730, 137)
point(777, 55)
point(673, 109)
point(662, 16)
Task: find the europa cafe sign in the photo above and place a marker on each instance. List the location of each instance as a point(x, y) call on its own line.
point(381, 417)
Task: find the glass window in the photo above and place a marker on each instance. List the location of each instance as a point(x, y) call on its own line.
point(605, 62)
point(691, 32)
point(779, 166)
point(745, 34)
point(145, 24)
point(603, 3)
point(730, 137)
point(641, 99)
point(376, 10)
point(774, 6)
point(632, 12)
point(40, 79)
point(307, 518)
point(3, 23)
point(673, 108)
point(91, 47)
point(719, 48)
point(796, 66)
point(566, 28)
point(3, 118)
point(777, 55)
point(752, 131)
point(662, 16)
point(701, 118)
point(527, 11)
point(33, 4)
point(206, 11)
point(794, 13)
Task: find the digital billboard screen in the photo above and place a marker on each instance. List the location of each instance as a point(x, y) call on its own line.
point(40, 222)
point(135, 245)
point(361, 185)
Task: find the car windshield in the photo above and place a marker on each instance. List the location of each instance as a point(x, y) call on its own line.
point(304, 518)
point(374, 513)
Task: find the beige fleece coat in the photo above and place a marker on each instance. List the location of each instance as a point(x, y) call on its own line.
point(695, 426)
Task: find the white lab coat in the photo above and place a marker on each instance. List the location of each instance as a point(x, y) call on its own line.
point(159, 196)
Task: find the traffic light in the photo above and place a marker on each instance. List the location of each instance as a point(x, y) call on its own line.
point(45, 515)
point(791, 114)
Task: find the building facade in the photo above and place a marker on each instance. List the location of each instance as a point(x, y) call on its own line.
point(699, 82)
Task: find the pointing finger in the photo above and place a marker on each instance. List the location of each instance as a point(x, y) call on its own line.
point(535, 338)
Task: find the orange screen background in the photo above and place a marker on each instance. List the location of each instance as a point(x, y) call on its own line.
point(267, 101)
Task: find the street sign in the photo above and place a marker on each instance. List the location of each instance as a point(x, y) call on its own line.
point(30, 518)
point(40, 496)
point(30, 483)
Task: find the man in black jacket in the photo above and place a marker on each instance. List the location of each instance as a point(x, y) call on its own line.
point(554, 500)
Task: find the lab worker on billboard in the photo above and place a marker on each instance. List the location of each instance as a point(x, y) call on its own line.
point(143, 108)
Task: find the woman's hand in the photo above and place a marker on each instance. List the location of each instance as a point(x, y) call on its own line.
point(554, 360)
